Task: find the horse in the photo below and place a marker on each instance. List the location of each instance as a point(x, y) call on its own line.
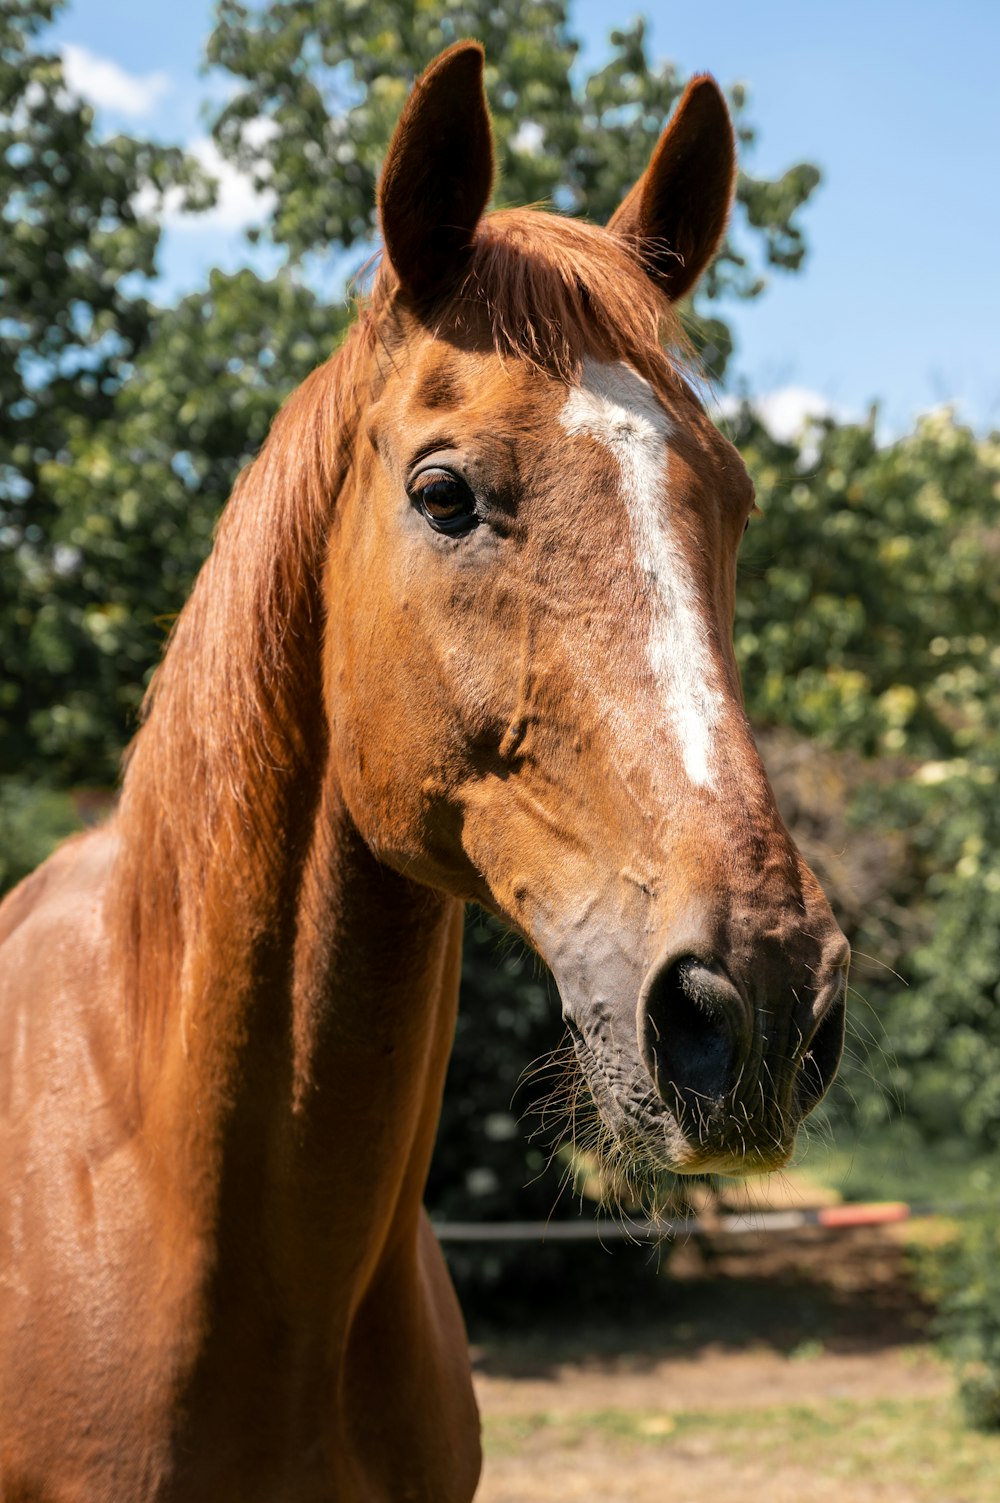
point(465, 634)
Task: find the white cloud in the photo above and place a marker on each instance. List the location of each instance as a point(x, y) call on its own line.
point(260, 130)
point(102, 82)
point(239, 203)
point(787, 412)
point(721, 405)
point(529, 138)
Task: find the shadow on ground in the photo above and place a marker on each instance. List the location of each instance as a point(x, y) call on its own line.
point(847, 1293)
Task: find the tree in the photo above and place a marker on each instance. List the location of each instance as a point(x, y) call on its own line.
point(80, 229)
point(869, 593)
point(316, 71)
point(139, 497)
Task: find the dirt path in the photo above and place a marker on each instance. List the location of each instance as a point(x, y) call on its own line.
point(716, 1380)
point(773, 1369)
point(692, 1474)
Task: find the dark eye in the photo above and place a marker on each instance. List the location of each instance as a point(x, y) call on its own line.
point(445, 500)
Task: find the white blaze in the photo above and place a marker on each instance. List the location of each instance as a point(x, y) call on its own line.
point(617, 407)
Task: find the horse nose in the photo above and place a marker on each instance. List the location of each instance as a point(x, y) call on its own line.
point(693, 1030)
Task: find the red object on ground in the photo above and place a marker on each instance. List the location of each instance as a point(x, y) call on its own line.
point(877, 1214)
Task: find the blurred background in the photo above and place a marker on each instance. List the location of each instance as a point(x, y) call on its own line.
point(187, 194)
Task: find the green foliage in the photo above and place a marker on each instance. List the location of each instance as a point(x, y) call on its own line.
point(80, 229)
point(33, 819)
point(140, 494)
point(869, 591)
point(965, 1277)
point(947, 1029)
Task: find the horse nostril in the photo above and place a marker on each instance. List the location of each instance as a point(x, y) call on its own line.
point(822, 1054)
point(691, 1024)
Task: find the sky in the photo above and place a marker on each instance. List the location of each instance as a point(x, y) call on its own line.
point(895, 100)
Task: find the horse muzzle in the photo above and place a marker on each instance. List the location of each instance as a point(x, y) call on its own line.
point(715, 1067)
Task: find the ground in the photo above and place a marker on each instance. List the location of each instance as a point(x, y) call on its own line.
point(774, 1367)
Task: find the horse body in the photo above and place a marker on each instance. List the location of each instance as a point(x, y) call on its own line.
point(234, 1298)
point(465, 634)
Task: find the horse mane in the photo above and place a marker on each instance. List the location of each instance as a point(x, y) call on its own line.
point(222, 779)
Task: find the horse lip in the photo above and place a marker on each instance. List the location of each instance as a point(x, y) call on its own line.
point(648, 1123)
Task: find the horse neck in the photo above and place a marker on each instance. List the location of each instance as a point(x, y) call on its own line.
point(374, 999)
point(296, 1079)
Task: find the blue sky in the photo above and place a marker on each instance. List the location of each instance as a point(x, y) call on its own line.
point(897, 102)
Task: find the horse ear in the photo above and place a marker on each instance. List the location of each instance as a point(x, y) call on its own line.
point(438, 174)
point(677, 212)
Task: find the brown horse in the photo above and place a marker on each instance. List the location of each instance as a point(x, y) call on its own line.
point(465, 634)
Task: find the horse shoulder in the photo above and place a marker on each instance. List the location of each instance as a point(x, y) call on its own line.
point(70, 1162)
point(55, 970)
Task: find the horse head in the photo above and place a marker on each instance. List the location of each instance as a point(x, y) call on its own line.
point(529, 664)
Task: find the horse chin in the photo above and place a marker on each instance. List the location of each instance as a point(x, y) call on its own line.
point(642, 1143)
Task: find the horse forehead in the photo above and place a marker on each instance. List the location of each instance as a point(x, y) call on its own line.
point(618, 407)
point(441, 379)
point(471, 383)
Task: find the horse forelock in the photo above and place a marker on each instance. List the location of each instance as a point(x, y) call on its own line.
point(554, 291)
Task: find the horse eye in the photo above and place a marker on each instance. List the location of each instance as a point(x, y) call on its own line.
point(446, 502)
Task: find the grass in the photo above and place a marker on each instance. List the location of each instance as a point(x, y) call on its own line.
point(920, 1444)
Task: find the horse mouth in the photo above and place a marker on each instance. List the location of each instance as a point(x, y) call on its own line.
point(645, 1133)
